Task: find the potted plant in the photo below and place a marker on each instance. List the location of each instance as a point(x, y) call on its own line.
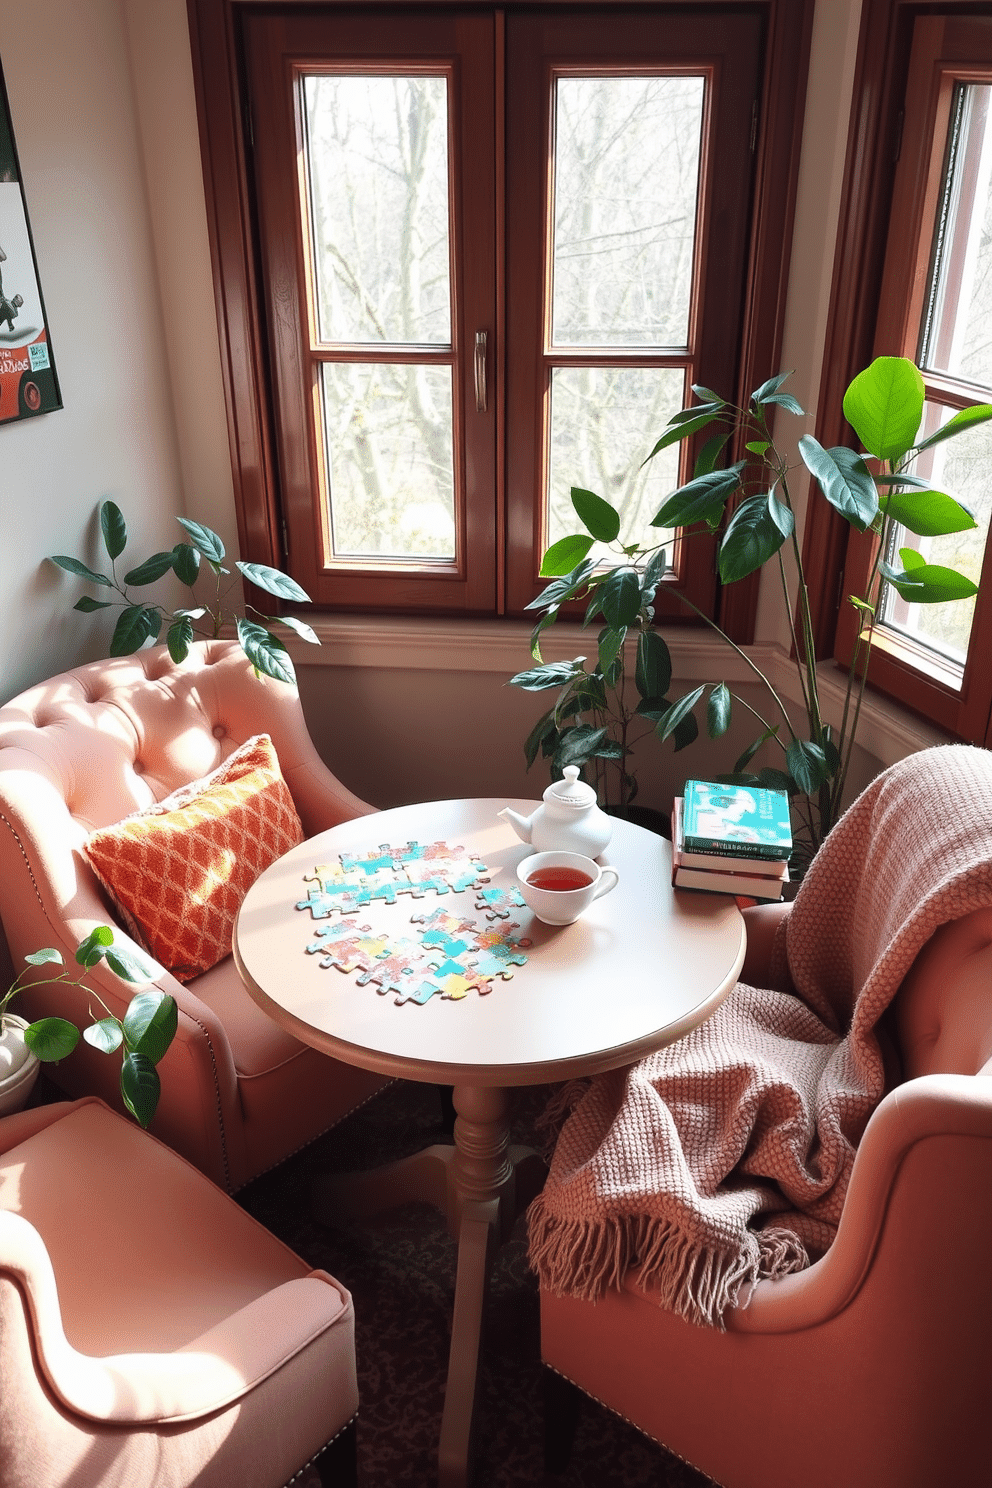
point(141, 621)
point(144, 1033)
point(599, 716)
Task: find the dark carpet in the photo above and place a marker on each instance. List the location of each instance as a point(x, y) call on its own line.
point(400, 1268)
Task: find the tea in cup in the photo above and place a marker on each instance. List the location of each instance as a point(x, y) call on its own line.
point(560, 886)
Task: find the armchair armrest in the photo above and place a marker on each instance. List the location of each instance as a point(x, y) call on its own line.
point(928, 1107)
point(204, 1376)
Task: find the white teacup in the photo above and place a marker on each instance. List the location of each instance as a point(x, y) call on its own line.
point(563, 904)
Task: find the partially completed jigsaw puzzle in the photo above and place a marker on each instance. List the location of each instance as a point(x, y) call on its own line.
point(451, 955)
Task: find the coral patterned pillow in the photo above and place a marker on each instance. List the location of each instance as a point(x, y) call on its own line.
point(179, 870)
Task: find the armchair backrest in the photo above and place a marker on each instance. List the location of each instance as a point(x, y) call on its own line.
point(87, 748)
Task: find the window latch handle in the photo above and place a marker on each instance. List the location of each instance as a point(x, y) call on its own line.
point(481, 396)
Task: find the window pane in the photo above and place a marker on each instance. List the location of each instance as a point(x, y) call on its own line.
point(378, 180)
point(604, 424)
point(387, 436)
point(961, 467)
point(957, 335)
point(626, 183)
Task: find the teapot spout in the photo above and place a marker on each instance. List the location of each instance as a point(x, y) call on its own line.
point(520, 824)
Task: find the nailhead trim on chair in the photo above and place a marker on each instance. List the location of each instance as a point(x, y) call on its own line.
point(317, 1135)
point(639, 1429)
point(307, 1465)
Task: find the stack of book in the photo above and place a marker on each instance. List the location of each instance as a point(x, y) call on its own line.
point(731, 839)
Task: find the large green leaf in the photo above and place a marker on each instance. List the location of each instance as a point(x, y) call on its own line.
point(152, 569)
point(87, 605)
point(544, 728)
point(150, 1023)
point(699, 500)
point(204, 539)
point(718, 711)
point(844, 479)
point(710, 453)
point(73, 566)
point(653, 668)
point(596, 515)
point(884, 406)
point(551, 674)
point(563, 556)
point(582, 743)
point(131, 965)
point(47, 956)
point(135, 625)
point(179, 638)
point(621, 596)
point(186, 563)
point(807, 765)
point(297, 626)
point(770, 388)
point(610, 645)
point(93, 949)
point(114, 529)
point(140, 1087)
point(751, 538)
point(51, 1038)
point(927, 583)
point(674, 715)
point(266, 652)
point(104, 1035)
point(927, 513)
point(978, 413)
point(752, 749)
point(690, 421)
point(563, 588)
point(273, 581)
point(654, 571)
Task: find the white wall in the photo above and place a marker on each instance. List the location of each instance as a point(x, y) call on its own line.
point(68, 78)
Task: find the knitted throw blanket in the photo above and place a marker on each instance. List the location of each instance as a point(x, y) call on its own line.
point(725, 1157)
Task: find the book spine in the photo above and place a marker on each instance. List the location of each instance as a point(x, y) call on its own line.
point(726, 849)
point(768, 889)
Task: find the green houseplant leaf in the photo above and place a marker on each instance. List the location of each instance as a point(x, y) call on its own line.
point(140, 1087)
point(51, 1038)
point(204, 539)
point(273, 581)
point(597, 516)
point(73, 566)
point(927, 513)
point(563, 556)
point(265, 651)
point(884, 406)
point(114, 529)
point(152, 569)
point(844, 479)
point(752, 536)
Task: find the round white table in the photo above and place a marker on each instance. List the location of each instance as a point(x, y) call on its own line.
point(644, 965)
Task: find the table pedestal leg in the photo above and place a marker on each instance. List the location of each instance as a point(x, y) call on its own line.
point(481, 1184)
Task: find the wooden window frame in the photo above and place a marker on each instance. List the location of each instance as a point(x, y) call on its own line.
point(225, 133)
point(865, 274)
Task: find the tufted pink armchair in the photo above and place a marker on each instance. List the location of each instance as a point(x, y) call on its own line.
point(151, 1332)
point(873, 1368)
point(84, 750)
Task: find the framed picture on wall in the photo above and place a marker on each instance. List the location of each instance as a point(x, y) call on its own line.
point(28, 381)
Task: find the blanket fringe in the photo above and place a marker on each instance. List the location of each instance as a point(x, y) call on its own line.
point(585, 1258)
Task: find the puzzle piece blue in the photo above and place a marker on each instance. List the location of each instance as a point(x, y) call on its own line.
point(498, 903)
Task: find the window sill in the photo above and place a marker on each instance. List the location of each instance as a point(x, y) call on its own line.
point(405, 643)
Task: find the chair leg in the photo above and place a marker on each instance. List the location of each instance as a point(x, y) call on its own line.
point(337, 1464)
point(562, 1405)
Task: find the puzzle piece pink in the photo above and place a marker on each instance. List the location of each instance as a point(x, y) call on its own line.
point(498, 903)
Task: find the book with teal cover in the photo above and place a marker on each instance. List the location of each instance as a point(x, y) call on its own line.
point(736, 820)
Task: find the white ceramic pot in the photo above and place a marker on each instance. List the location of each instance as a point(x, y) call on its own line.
point(18, 1066)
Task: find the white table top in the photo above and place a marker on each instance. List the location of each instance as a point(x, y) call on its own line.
point(643, 966)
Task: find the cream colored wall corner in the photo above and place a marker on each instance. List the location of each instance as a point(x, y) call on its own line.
point(165, 106)
point(67, 74)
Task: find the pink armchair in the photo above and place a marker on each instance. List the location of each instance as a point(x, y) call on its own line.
point(86, 749)
point(151, 1332)
point(873, 1368)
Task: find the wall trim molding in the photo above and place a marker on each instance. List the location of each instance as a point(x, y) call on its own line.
point(398, 643)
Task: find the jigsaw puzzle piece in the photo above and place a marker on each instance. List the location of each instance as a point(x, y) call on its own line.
point(498, 961)
point(410, 992)
point(498, 903)
point(444, 921)
point(401, 959)
point(321, 902)
point(369, 861)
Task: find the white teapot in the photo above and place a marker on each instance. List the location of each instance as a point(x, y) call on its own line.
point(569, 820)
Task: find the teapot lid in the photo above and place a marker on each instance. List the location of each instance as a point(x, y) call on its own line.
point(571, 791)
